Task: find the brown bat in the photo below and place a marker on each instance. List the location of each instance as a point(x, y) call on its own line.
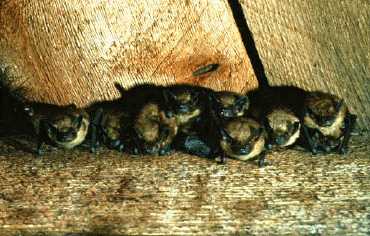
point(243, 139)
point(62, 126)
point(327, 122)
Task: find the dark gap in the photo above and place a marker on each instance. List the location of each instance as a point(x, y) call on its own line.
point(249, 43)
point(10, 122)
point(3, 99)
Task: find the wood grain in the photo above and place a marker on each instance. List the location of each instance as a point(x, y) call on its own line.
point(115, 194)
point(73, 51)
point(316, 45)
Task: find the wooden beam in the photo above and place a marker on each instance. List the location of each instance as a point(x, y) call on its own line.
point(73, 52)
point(115, 194)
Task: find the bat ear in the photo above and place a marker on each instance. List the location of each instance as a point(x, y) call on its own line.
point(168, 95)
point(77, 122)
point(50, 128)
point(266, 125)
point(339, 105)
point(97, 116)
point(195, 97)
point(243, 100)
point(195, 93)
point(121, 89)
point(214, 97)
point(165, 96)
point(172, 94)
point(71, 107)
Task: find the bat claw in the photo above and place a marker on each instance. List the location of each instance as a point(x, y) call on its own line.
point(342, 150)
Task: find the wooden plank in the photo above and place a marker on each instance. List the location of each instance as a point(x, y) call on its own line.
point(71, 51)
point(115, 194)
point(316, 45)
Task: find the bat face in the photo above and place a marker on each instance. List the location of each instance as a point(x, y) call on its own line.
point(229, 105)
point(326, 113)
point(327, 123)
point(242, 138)
point(283, 127)
point(111, 126)
point(154, 130)
point(147, 125)
point(65, 126)
point(67, 130)
point(182, 103)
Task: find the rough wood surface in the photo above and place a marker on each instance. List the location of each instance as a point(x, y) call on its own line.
point(73, 51)
point(316, 45)
point(75, 191)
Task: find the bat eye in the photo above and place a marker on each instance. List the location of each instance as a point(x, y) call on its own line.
point(29, 111)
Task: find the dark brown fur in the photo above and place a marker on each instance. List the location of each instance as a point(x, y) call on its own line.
point(326, 113)
point(155, 131)
point(323, 104)
point(327, 122)
point(109, 120)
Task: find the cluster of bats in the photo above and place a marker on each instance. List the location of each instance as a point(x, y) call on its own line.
point(155, 120)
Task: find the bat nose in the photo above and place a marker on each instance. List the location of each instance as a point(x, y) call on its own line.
point(244, 151)
point(65, 136)
point(327, 122)
point(183, 108)
point(280, 140)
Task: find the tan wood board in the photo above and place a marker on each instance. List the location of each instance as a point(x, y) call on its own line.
point(316, 45)
point(73, 51)
point(115, 194)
